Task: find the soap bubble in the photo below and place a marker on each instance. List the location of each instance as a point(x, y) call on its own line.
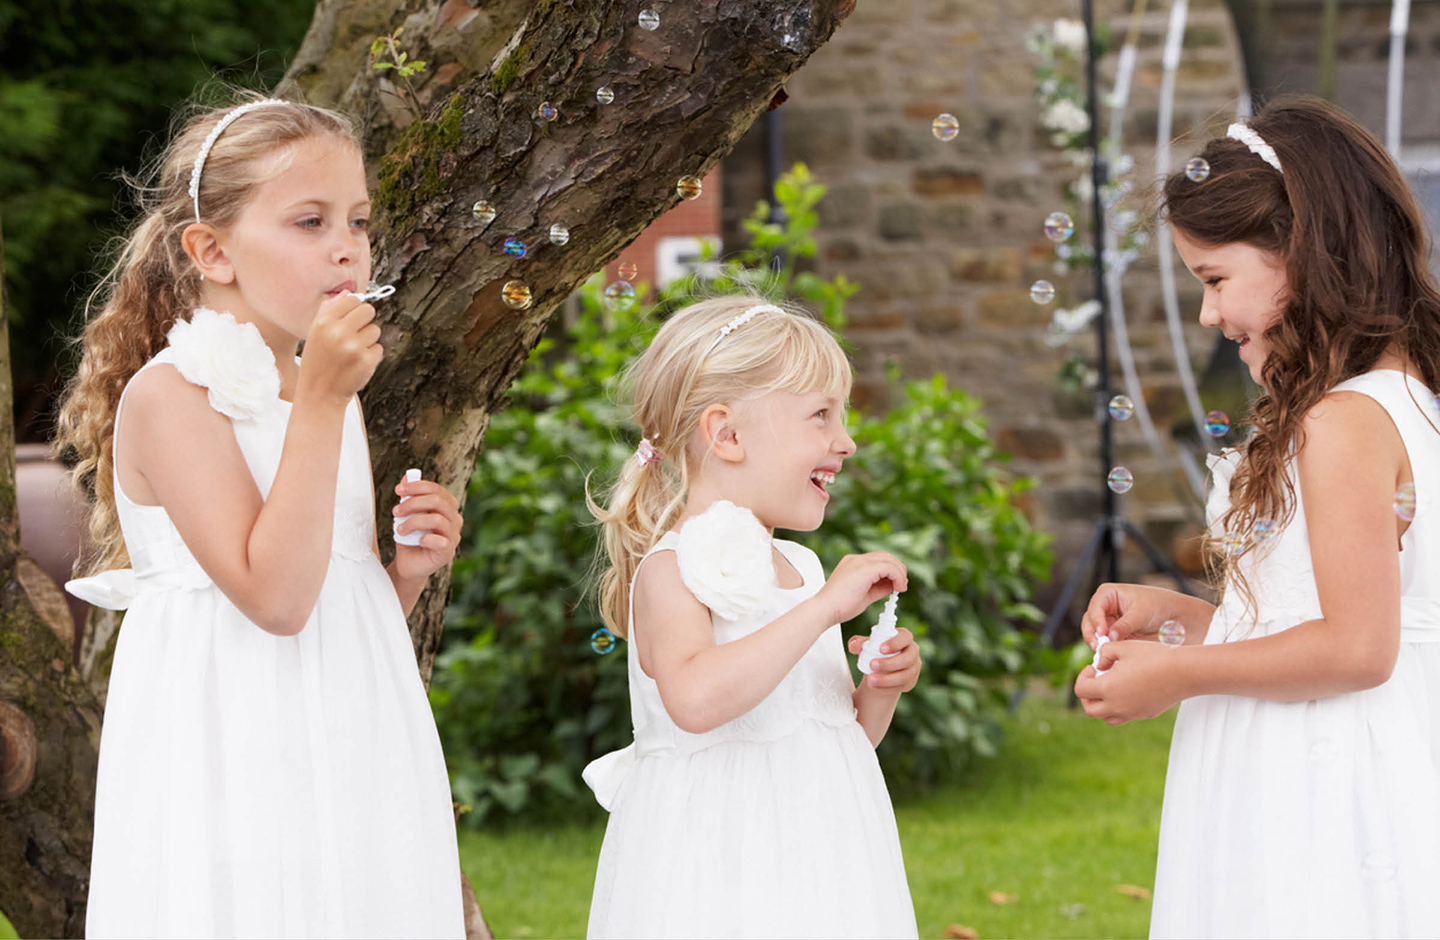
point(650, 20)
point(1042, 292)
point(1217, 424)
point(1197, 170)
point(515, 248)
point(483, 212)
point(688, 187)
point(546, 111)
point(945, 127)
point(1263, 530)
point(628, 270)
point(1405, 502)
point(604, 94)
point(1172, 633)
point(1120, 480)
point(1232, 543)
point(559, 234)
point(1058, 226)
point(602, 641)
point(620, 296)
point(516, 295)
point(1121, 407)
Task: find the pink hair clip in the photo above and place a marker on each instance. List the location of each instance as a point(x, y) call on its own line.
point(647, 452)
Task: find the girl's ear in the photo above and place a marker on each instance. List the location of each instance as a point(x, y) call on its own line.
point(717, 426)
point(202, 244)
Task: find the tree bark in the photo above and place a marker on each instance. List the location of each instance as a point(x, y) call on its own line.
point(683, 95)
point(49, 723)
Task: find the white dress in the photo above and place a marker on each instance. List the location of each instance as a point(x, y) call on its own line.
point(1320, 818)
point(775, 824)
point(253, 785)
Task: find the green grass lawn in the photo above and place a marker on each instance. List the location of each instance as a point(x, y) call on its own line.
point(7, 932)
point(1067, 813)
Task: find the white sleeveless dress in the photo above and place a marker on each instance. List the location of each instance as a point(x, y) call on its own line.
point(1320, 818)
point(775, 824)
point(253, 785)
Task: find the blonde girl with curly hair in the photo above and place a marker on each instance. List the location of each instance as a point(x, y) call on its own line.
point(269, 765)
point(751, 803)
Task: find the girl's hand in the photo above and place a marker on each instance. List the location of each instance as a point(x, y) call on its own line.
point(342, 349)
point(900, 670)
point(434, 510)
point(859, 581)
point(1141, 682)
point(1125, 612)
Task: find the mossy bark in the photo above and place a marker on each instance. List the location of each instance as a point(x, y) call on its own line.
point(49, 720)
point(684, 94)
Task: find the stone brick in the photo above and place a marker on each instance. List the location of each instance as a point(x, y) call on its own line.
point(986, 265)
point(940, 318)
point(1010, 310)
point(1038, 444)
point(845, 205)
point(818, 136)
point(947, 181)
point(900, 222)
point(842, 250)
point(894, 142)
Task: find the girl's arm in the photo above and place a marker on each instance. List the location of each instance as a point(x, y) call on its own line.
point(269, 556)
point(1350, 465)
point(702, 684)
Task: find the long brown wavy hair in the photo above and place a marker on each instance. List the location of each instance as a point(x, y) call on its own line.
point(152, 283)
point(1355, 250)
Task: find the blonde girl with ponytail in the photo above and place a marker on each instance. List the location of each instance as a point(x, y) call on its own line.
point(268, 761)
point(751, 803)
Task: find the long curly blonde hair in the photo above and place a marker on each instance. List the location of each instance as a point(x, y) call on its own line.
point(670, 386)
point(1355, 249)
point(152, 283)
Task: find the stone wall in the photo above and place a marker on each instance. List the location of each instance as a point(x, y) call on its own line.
point(946, 237)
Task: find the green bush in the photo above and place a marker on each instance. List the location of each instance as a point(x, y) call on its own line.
point(522, 700)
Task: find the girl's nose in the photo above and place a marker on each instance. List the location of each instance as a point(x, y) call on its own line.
point(845, 444)
point(1209, 316)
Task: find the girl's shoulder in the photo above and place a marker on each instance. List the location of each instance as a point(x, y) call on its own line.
point(230, 360)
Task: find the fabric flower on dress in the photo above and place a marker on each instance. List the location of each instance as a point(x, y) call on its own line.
point(725, 560)
point(1222, 468)
point(229, 359)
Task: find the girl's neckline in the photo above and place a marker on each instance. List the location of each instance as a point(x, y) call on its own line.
point(779, 545)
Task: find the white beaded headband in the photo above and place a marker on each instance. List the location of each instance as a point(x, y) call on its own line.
point(215, 133)
point(1257, 145)
point(738, 322)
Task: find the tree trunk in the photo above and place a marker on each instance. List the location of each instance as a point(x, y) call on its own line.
point(466, 131)
point(49, 723)
point(683, 95)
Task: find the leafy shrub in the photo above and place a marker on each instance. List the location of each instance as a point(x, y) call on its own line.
point(522, 700)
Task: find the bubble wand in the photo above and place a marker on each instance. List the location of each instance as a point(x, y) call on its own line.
point(884, 630)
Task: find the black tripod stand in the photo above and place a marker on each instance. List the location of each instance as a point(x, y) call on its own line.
point(1101, 555)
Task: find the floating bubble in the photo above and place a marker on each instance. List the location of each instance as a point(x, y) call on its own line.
point(1172, 633)
point(1124, 221)
point(688, 187)
point(1232, 543)
point(604, 94)
point(1042, 292)
point(1120, 480)
point(483, 212)
point(546, 111)
point(602, 641)
point(628, 270)
point(559, 234)
point(1217, 424)
point(516, 295)
point(515, 248)
point(650, 20)
point(1058, 226)
point(1405, 502)
point(945, 127)
point(1263, 530)
point(620, 296)
point(1121, 407)
point(1197, 169)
